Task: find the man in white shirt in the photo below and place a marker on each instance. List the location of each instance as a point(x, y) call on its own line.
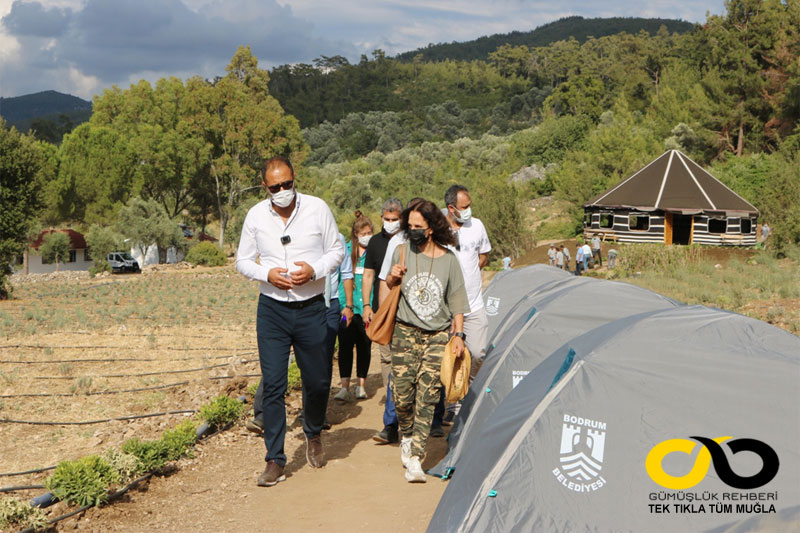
point(290, 243)
point(473, 254)
point(596, 249)
point(587, 256)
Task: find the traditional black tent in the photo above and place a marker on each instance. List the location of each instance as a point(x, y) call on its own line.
point(674, 201)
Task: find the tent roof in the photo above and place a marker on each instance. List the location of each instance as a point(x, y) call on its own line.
point(675, 183)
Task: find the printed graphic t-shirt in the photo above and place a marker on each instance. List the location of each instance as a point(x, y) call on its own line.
point(431, 295)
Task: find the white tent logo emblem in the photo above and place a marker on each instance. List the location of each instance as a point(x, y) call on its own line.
point(583, 444)
point(492, 306)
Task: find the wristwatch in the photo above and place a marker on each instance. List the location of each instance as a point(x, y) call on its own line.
point(461, 335)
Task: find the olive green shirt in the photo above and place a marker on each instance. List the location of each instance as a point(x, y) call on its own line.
point(432, 291)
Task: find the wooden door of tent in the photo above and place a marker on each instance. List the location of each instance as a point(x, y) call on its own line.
point(678, 229)
point(667, 228)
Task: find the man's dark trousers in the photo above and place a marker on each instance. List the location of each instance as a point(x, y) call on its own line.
point(332, 318)
point(280, 327)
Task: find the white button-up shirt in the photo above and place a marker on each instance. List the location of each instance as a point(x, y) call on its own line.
point(314, 238)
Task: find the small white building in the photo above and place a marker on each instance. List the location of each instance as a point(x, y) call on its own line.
point(78, 258)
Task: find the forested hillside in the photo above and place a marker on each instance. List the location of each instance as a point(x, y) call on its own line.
point(575, 27)
point(568, 119)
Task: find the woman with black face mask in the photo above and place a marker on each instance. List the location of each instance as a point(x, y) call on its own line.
point(433, 299)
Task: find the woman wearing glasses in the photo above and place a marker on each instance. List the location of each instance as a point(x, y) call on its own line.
point(432, 304)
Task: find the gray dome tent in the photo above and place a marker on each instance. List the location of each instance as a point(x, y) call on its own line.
point(545, 319)
point(571, 447)
point(510, 287)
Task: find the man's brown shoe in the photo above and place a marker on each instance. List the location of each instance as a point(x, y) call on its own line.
point(314, 453)
point(272, 474)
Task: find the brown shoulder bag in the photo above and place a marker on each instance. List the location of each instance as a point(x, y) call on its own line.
point(381, 328)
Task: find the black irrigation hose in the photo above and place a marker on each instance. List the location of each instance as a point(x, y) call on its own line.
point(20, 487)
point(88, 422)
point(237, 376)
point(26, 472)
point(145, 373)
point(54, 394)
point(85, 507)
point(130, 359)
point(93, 347)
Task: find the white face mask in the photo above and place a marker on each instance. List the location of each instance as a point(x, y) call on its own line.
point(391, 227)
point(364, 240)
point(283, 198)
point(466, 214)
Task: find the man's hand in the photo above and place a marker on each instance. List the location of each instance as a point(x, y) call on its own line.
point(458, 347)
point(301, 275)
point(348, 314)
point(277, 279)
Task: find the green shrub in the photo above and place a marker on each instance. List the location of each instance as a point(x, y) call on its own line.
point(222, 411)
point(125, 464)
point(659, 258)
point(152, 454)
point(99, 266)
point(84, 481)
point(179, 441)
point(16, 515)
point(206, 253)
point(172, 445)
point(555, 229)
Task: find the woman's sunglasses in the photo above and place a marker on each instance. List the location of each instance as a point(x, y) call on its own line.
point(286, 185)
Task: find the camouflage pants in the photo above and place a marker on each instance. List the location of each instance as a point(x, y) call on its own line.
point(416, 384)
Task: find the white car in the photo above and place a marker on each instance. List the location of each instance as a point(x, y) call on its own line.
point(122, 262)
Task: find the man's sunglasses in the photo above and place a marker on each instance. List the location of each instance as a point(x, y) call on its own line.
point(286, 185)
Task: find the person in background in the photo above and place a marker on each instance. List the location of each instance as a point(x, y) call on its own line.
point(506, 263)
point(370, 288)
point(290, 244)
point(612, 258)
point(560, 257)
point(390, 432)
point(764, 233)
point(432, 304)
point(587, 256)
point(567, 258)
point(352, 332)
point(578, 259)
point(596, 249)
point(551, 255)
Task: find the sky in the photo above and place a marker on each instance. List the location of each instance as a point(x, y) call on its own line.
point(81, 47)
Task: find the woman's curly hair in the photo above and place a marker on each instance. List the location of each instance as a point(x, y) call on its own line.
point(442, 235)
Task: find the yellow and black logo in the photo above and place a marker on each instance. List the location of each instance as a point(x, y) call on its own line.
point(711, 451)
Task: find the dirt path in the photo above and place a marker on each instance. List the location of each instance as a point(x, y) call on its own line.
point(362, 488)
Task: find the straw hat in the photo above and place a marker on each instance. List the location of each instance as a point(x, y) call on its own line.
point(455, 373)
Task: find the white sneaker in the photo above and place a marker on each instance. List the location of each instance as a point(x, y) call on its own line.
point(405, 451)
point(414, 472)
point(342, 396)
point(361, 393)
